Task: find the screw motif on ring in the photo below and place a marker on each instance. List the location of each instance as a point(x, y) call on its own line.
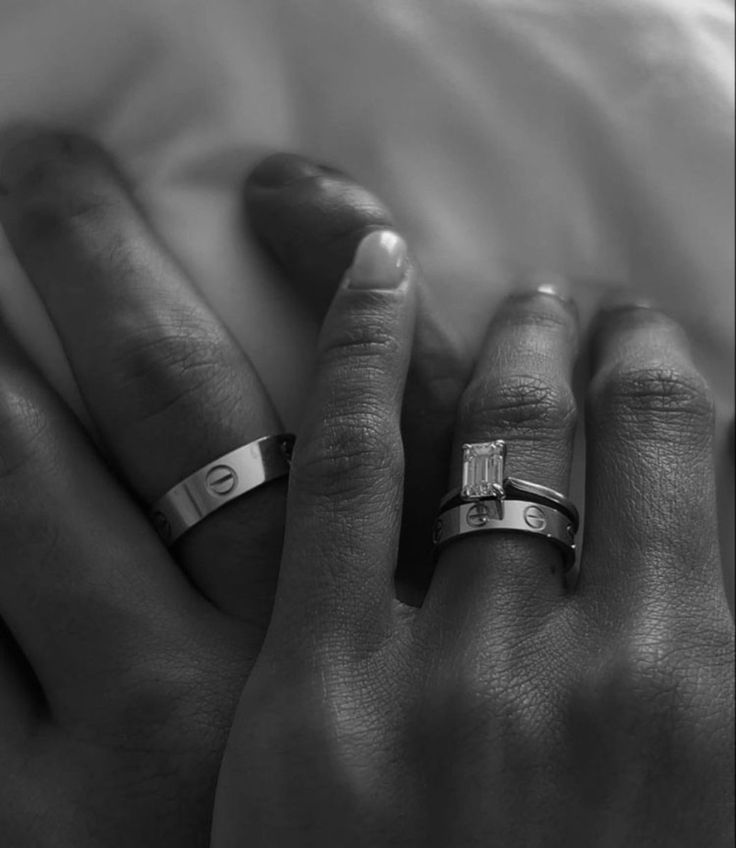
point(478, 515)
point(534, 517)
point(222, 479)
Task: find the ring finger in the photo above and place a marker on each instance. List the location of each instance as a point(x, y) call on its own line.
point(521, 393)
point(167, 388)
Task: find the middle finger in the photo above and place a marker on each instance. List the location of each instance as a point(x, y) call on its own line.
point(165, 384)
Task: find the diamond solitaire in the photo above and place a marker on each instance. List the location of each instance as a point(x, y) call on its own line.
point(483, 470)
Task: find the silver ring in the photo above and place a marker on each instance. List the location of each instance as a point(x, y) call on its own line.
point(515, 489)
point(511, 516)
point(483, 479)
point(487, 500)
point(219, 482)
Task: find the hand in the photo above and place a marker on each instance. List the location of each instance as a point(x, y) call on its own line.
point(505, 710)
point(121, 663)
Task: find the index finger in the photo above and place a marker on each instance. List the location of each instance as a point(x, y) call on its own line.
point(311, 219)
point(344, 506)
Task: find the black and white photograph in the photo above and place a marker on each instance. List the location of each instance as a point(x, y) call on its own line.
point(367, 423)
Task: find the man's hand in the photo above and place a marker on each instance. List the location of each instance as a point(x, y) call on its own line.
point(121, 662)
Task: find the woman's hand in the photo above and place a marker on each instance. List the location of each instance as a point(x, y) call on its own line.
point(505, 710)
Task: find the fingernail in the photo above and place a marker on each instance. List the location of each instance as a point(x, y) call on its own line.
point(283, 169)
point(381, 262)
point(546, 282)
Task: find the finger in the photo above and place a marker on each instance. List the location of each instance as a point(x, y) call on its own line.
point(651, 519)
point(310, 219)
point(86, 590)
point(345, 491)
point(294, 205)
point(521, 392)
point(166, 385)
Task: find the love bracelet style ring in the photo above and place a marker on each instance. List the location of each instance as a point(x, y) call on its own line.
point(219, 482)
point(487, 501)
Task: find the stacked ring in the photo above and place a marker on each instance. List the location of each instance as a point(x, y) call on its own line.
point(487, 501)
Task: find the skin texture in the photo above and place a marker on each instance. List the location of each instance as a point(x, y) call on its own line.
point(121, 662)
point(287, 192)
point(506, 710)
point(503, 710)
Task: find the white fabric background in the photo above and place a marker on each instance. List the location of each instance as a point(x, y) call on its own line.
point(588, 137)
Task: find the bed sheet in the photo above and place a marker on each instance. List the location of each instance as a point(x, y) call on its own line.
point(592, 138)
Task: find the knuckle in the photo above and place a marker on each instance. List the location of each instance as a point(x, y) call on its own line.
point(649, 696)
point(56, 174)
point(682, 395)
point(617, 698)
point(652, 676)
point(352, 749)
point(48, 215)
point(168, 368)
point(351, 452)
point(525, 403)
point(368, 343)
point(492, 706)
point(157, 703)
point(675, 701)
point(356, 444)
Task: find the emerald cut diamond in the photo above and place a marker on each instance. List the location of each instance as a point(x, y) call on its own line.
point(483, 470)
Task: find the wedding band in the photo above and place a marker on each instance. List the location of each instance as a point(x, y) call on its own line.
point(489, 501)
point(511, 516)
point(516, 489)
point(230, 476)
